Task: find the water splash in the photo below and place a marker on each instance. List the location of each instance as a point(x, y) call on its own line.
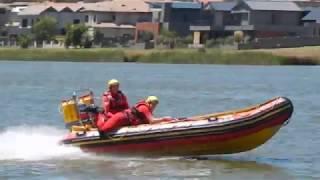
point(34, 143)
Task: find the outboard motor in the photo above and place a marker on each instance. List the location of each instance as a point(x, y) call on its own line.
point(75, 112)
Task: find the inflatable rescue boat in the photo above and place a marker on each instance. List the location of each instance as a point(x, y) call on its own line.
point(218, 133)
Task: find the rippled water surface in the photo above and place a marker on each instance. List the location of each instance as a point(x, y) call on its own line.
point(31, 124)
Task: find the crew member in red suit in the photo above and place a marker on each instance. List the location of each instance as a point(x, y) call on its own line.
point(141, 113)
point(113, 101)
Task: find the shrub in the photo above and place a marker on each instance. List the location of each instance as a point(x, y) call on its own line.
point(183, 42)
point(145, 36)
point(24, 41)
point(98, 37)
point(212, 43)
point(238, 36)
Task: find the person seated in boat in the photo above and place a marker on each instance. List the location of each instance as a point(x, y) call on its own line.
point(114, 100)
point(141, 113)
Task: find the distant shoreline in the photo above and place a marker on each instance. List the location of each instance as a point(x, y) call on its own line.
point(174, 56)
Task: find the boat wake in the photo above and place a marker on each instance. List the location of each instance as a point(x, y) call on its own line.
point(34, 143)
point(38, 143)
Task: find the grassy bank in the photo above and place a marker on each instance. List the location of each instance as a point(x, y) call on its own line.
point(303, 55)
point(176, 56)
point(97, 55)
point(212, 56)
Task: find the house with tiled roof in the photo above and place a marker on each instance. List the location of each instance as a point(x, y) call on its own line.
point(267, 18)
point(313, 16)
point(3, 14)
point(311, 20)
point(117, 18)
point(177, 16)
point(257, 19)
point(218, 15)
point(23, 17)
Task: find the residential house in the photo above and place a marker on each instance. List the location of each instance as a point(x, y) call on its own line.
point(267, 18)
point(217, 16)
point(312, 21)
point(221, 13)
point(171, 15)
point(13, 25)
point(306, 4)
point(257, 19)
point(154, 26)
point(174, 16)
point(12, 11)
point(117, 18)
point(3, 20)
point(8, 19)
point(3, 14)
point(22, 18)
point(178, 16)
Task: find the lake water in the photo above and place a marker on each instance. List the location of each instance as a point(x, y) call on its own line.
point(31, 125)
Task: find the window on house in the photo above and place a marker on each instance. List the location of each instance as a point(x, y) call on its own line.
point(94, 18)
point(32, 22)
point(4, 33)
point(292, 34)
point(24, 23)
point(63, 31)
point(76, 21)
point(13, 36)
point(86, 18)
point(113, 17)
point(273, 18)
point(185, 18)
point(244, 19)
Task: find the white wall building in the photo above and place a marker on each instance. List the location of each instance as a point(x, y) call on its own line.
point(116, 18)
point(21, 19)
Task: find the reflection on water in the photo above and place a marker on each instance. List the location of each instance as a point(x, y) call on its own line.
point(222, 167)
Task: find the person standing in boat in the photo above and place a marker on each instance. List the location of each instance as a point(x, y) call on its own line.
point(141, 113)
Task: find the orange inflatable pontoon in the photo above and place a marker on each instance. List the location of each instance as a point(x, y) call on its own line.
point(219, 133)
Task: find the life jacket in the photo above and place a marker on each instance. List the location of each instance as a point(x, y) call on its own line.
point(139, 117)
point(118, 103)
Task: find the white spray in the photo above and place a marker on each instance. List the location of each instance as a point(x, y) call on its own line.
point(34, 143)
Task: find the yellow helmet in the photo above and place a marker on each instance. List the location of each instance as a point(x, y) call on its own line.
point(113, 82)
point(152, 99)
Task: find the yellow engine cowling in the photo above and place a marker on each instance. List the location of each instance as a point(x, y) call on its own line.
point(70, 112)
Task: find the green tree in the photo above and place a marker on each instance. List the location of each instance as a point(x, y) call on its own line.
point(182, 42)
point(45, 29)
point(168, 34)
point(98, 37)
point(24, 41)
point(167, 37)
point(76, 35)
point(145, 36)
point(86, 40)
